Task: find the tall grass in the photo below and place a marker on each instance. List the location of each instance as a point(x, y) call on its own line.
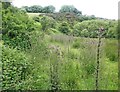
point(54, 67)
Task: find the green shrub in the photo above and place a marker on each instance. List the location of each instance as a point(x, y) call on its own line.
point(14, 68)
point(90, 28)
point(38, 26)
point(16, 26)
point(47, 22)
point(64, 28)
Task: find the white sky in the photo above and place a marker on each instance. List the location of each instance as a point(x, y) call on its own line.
point(99, 8)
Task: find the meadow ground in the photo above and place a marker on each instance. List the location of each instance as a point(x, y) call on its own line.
point(72, 61)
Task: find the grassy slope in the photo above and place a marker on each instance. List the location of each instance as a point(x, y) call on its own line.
point(33, 14)
point(77, 67)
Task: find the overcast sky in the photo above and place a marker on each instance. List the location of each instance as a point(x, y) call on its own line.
point(99, 8)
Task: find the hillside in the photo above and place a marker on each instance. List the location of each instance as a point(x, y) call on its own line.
point(52, 51)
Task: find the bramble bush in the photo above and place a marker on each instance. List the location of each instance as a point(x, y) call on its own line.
point(15, 27)
point(15, 68)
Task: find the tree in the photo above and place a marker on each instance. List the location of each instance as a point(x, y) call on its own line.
point(69, 9)
point(47, 22)
point(39, 9)
point(26, 8)
point(64, 28)
point(49, 9)
point(33, 9)
point(92, 27)
point(5, 5)
point(15, 27)
point(36, 9)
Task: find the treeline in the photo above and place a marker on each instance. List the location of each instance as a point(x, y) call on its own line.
point(51, 9)
point(64, 9)
point(39, 9)
point(86, 28)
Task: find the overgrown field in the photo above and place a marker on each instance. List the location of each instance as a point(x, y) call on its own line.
point(67, 63)
point(43, 53)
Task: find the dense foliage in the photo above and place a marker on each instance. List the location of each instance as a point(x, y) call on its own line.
point(15, 66)
point(70, 8)
point(64, 28)
point(16, 26)
point(90, 28)
point(41, 52)
point(87, 28)
point(39, 9)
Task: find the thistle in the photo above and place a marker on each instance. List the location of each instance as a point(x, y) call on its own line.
point(101, 30)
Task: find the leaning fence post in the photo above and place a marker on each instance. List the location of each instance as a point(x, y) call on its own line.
point(98, 56)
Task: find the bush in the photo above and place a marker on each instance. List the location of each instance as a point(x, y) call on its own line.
point(14, 68)
point(38, 26)
point(47, 22)
point(90, 28)
point(64, 28)
point(15, 27)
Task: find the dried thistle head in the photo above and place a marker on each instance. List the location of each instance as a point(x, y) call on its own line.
point(101, 29)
